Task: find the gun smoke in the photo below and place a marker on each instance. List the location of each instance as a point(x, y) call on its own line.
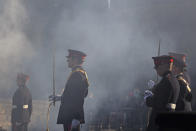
point(119, 42)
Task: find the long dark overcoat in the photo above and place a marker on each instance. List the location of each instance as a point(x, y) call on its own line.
point(164, 93)
point(72, 99)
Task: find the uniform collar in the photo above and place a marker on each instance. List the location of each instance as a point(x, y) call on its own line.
point(166, 73)
point(22, 86)
point(76, 67)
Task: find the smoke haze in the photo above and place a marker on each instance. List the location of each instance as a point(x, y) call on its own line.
point(119, 42)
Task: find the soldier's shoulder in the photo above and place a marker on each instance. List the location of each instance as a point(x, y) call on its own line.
point(28, 90)
point(79, 73)
point(183, 80)
point(17, 90)
point(25, 91)
point(76, 75)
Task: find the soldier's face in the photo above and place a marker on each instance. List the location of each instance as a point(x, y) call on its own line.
point(71, 62)
point(20, 82)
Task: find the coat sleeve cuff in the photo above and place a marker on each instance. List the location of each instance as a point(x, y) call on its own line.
point(171, 106)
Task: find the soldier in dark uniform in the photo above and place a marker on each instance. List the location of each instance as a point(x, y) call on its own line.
point(185, 96)
point(182, 58)
point(71, 112)
point(164, 95)
point(21, 105)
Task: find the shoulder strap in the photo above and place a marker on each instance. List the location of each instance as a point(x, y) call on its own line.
point(83, 72)
point(184, 81)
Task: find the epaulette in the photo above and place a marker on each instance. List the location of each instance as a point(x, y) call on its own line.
point(84, 74)
point(186, 83)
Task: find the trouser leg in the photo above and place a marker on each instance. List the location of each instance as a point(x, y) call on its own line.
point(76, 129)
point(20, 127)
point(67, 127)
point(25, 127)
point(14, 128)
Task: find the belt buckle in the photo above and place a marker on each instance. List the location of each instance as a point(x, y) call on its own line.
point(25, 106)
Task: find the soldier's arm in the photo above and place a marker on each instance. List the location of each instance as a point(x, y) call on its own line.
point(13, 107)
point(77, 86)
point(187, 77)
point(148, 98)
point(148, 94)
point(149, 101)
point(175, 87)
point(30, 106)
point(86, 93)
point(186, 88)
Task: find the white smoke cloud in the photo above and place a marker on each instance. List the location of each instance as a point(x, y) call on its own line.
point(119, 41)
point(15, 48)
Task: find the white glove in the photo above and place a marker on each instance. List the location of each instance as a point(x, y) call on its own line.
point(55, 98)
point(147, 94)
point(75, 123)
point(171, 106)
point(151, 84)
